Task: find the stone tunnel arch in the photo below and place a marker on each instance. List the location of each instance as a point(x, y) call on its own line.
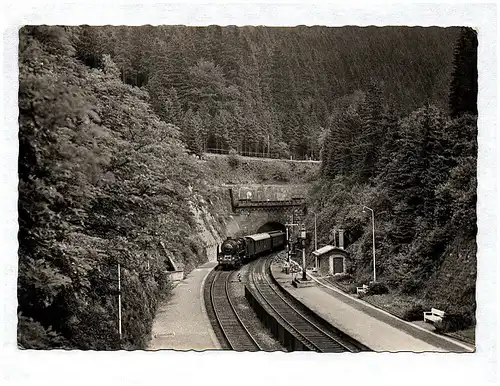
point(257, 221)
point(271, 226)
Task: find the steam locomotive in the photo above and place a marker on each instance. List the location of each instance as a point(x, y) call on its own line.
point(236, 251)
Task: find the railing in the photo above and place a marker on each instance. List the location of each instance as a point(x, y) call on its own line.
point(281, 203)
point(257, 154)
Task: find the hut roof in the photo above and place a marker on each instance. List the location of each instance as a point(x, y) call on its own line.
point(328, 249)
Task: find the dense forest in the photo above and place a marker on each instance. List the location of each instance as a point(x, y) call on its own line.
point(109, 115)
point(272, 90)
point(418, 173)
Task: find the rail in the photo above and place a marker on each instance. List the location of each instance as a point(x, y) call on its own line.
point(351, 343)
point(235, 333)
point(303, 327)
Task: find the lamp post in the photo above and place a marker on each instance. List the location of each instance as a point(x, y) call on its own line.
point(315, 241)
point(303, 238)
point(373, 235)
point(315, 234)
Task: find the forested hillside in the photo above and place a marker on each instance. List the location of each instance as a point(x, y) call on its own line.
point(102, 181)
point(272, 90)
point(418, 173)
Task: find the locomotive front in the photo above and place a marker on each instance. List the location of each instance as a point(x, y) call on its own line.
point(229, 255)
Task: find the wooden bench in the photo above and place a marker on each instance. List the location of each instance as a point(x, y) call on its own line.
point(362, 290)
point(434, 315)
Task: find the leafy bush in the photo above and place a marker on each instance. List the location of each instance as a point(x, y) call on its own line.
point(377, 288)
point(410, 286)
point(280, 175)
point(413, 313)
point(343, 277)
point(352, 288)
point(233, 159)
point(453, 322)
point(32, 335)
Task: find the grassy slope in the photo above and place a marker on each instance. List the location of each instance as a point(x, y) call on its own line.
point(258, 171)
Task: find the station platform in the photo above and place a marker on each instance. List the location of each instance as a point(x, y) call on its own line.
point(371, 326)
point(181, 322)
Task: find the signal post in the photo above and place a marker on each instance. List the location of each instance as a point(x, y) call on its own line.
point(288, 241)
point(304, 281)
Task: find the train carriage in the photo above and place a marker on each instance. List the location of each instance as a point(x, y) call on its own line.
point(278, 240)
point(258, 244)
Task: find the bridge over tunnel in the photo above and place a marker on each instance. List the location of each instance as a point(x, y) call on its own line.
point(262, 192)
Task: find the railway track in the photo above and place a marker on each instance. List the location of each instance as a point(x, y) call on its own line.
point(229, 328)
point(312, 332)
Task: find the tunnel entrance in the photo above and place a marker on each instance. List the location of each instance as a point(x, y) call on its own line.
point(271, 226)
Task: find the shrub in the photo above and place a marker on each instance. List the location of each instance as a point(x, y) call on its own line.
point(377, 289)
point(32, 335)
point(352, 288)
point(453, 322)
point(410, 286)
point(415, 312)
point(233, 159)
point(280, 175)
point(343, 277)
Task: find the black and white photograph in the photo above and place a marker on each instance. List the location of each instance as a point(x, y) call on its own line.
point(221, 187)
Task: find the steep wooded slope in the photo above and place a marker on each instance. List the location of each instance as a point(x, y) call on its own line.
point(259, 89)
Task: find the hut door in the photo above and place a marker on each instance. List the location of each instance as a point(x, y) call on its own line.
point(338, 265)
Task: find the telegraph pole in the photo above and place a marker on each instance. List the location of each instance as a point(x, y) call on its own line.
point(119, 304)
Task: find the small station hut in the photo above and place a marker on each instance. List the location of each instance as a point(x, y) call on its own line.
point(331, 260)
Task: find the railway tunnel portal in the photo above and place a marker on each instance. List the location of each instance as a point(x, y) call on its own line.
point(271, 226)
point(268, 209)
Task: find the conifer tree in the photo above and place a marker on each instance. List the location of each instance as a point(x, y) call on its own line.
point(390, 139)
point(89, 46)
point(370, 139)
point(192, 132)
point(174, 110)
point(463, 88)
point(171, 65)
